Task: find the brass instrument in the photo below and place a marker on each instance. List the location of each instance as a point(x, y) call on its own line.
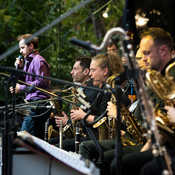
point(159, 150)
point(72, 129)
point(107, 131)
point(67, 130)
point(52, 133)
point(106, 126)
point(133, 126)
point(164, 87)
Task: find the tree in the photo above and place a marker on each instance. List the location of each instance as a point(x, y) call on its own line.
point(21, 16)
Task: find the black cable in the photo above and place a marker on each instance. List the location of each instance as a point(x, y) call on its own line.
point(50, 166)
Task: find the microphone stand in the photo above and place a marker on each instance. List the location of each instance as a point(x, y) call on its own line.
point(97, 145)
point(9, 129)
point(5, 145)
point(118, 141)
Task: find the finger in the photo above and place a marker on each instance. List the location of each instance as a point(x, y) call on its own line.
point(57, 121)
point(72, 118)
point(63, 113)
point(71, 114)
point(167, 107)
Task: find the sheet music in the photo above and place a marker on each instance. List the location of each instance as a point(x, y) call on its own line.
point(61, 155)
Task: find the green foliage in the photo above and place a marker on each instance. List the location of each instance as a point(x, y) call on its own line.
point(25, 16)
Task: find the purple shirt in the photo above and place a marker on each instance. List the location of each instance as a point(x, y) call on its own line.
point(37, 65)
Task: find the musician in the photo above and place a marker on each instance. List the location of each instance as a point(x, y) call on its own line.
point(112, 46)
point(80, 74)
point(156, 46)
point(102, 66)
point(35, 64)
point(88, 149)
point(152, 168)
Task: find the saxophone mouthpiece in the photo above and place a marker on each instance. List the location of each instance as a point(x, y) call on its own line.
point(87, 81)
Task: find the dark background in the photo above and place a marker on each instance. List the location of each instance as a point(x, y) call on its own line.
point(159, 12)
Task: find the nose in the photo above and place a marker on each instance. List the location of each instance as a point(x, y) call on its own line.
point(71, 72)
point(144, 58)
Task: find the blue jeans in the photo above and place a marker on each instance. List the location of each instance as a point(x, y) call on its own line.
point(35, 125)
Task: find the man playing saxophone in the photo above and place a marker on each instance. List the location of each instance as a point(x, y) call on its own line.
point(152, 166)
point(80, 74)
point(156, 47)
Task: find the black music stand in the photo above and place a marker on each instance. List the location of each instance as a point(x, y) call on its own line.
point(9, 129)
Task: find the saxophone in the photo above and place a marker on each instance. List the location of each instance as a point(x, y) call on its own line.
point(70, 129)
point(67, 130)
point(164, 87)
point(133, 126)
point(106, 126)
point(107, 130)
point(52, 133)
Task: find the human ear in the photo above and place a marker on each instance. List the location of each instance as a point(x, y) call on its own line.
point(163, 50)
point(86, 71)
point(31, 46)
point(105, 70)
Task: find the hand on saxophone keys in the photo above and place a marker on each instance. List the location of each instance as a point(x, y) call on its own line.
point(64, 119)
point(77, 114)
point(112, 111)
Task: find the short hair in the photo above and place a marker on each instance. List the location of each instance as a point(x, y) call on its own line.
point(84, 61)
point(33, 40)
point(112, 42)
point(160, 37)
point(111, 61)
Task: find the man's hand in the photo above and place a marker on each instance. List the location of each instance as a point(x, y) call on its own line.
point(77, 114)
point(170, 113)
point(19, 62)
point(64, 119)
point(17, 88)
point(112, 111)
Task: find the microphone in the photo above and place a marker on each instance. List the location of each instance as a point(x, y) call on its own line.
point(20, 59)
point(80, 43)
point(30, 88)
